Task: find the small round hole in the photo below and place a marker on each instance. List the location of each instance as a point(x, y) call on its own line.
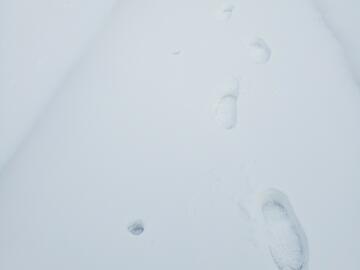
point(136, 228)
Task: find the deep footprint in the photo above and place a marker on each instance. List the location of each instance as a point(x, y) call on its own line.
point(286, 239)
point(226, 107)
point(260, 51)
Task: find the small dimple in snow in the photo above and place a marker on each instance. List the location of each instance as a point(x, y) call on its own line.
point(286, 238)
point(176, 52)
point(136, 228)
point(260, 51)
point(225, 12)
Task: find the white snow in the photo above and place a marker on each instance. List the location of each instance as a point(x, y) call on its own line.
point(342, 20)
point(40, 42)
point(120, 161)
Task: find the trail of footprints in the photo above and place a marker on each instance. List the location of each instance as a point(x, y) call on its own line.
point(286, 240)
point(226, 105)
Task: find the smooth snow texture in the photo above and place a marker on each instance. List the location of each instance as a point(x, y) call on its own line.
point(40, 41)
point(286, 238)
point(131, 135)
point(342, 20)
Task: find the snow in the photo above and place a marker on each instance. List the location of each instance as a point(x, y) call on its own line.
point(39, 44)
point(342, 20)
point(226, 106)
point(123, 159)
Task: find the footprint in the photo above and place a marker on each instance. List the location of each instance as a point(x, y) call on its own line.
point(226, 107)
point(225, 11)
point(136, 228)
point(176, 52)
point(260, 51)
point(286, 239)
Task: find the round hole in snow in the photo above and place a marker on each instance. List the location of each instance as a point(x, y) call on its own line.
point(136, 228)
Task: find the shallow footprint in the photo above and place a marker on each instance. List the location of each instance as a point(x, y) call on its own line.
point(226, 107)
point(224, 12)
point(286, 239)
point(176, 52)
point(260, 51)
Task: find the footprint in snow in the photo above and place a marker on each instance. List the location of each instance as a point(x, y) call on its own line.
point(226, 106)
point(260, 51)
point(224, 12)
point(286, 239)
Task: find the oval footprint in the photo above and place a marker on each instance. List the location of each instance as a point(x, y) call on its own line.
point(286, 239)
point(226, 106)
point(260, 51)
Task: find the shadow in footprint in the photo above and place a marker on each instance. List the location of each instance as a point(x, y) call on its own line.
point(136, 228)
point(260, 51)
point(226, 107)
point(286, 239)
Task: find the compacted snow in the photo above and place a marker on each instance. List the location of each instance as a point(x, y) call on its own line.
point(179, 135)
point(286, 239)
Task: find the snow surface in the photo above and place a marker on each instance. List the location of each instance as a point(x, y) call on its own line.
point(141, 134)
point(40, 41)
point(342, 20)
